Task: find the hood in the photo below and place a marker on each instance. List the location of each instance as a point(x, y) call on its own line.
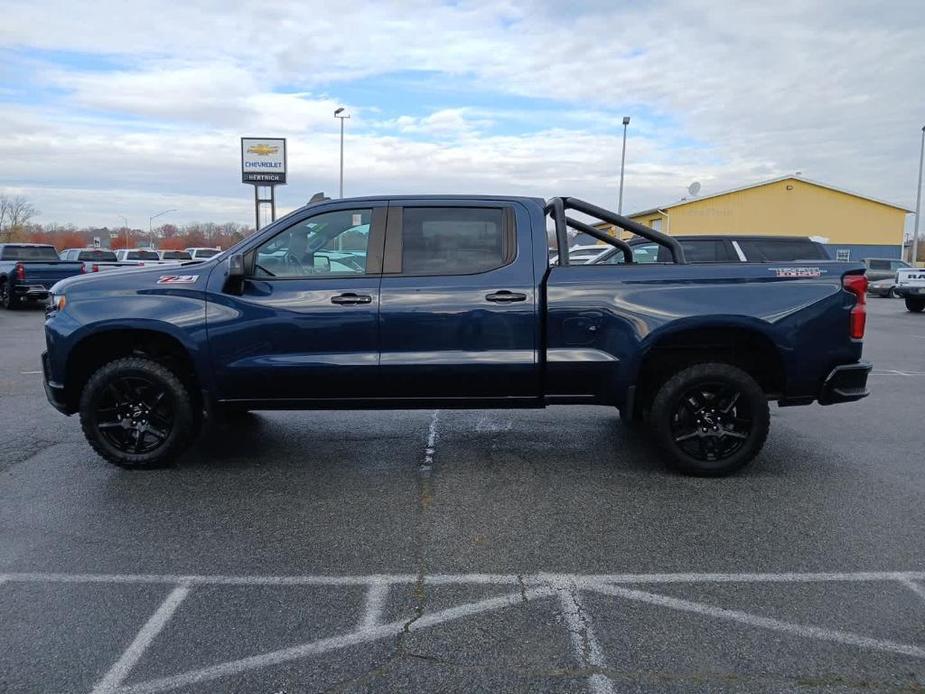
point(130, 277)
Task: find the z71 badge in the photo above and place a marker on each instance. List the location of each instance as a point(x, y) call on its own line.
point(178, 279)
point(801, 272)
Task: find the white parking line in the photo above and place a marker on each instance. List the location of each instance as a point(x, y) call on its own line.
point(916, 588)
point(430, 447)
point(284, 655)
point(123, 666)
point(498, 579)
point(376, 596)
point(584, 643)
point(30, 373)
point(836, 635)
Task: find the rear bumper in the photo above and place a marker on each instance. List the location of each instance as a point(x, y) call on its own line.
point(53, 391)
point(845, 383)
point(30, 292)
point(917, 292)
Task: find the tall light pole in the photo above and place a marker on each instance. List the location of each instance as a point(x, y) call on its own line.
point(124, 229)
point(150, 230)
point(342, 118)
point(626, 122)
point(918, 202)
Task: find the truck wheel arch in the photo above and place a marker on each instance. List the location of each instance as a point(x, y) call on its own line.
point(103, 346)
point(745, 347)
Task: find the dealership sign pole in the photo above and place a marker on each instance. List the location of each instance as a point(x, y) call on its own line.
point(263, 165)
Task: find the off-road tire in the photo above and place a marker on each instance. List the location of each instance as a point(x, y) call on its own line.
point(7, 299)
point(664, 418)
point(185, 416)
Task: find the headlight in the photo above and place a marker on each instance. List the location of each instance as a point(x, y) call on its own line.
point(57, 302)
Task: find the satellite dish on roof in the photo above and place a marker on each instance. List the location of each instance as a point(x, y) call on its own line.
point(694, 188)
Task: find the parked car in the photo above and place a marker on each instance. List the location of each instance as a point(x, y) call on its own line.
point(28, 270)
point(910, 285)
point(722, 249)
point(457, 307)
point(203, 253)
point(174, 255)
point(96, 259)
point(141, 256)
point(579, 253)
point(883, 268)
point(885, 289)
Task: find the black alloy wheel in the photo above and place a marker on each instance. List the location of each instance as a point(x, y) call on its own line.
point(711, 421)
point(135, 414)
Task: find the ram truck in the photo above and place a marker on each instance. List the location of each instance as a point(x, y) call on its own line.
point(450, 302)
point(910, 285)
point(28, 270)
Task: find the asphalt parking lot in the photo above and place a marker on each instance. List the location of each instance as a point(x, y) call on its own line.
point(467, 551)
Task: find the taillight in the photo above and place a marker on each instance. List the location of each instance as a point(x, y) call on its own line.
point(20, 272)
point(857, 285)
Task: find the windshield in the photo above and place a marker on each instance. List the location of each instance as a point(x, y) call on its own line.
point(29, 253)
point(206, 252)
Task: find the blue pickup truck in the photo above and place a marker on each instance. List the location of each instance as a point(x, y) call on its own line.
point(28, 270)
point(450, 302)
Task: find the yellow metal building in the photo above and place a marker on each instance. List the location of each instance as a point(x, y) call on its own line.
point(853, 226)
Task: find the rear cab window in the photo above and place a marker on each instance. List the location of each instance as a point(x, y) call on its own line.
point(35, 253)
point(97, 256)
point(141, 255)
point(176, 255)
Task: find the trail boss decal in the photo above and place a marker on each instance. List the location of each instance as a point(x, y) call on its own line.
point(797, 272)
point(178, 279)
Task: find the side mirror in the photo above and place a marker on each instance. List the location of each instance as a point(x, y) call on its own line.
point(234, 279)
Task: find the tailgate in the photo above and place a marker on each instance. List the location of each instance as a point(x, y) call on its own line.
point(48, 273)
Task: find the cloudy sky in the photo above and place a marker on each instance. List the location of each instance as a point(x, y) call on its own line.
point(127, 108)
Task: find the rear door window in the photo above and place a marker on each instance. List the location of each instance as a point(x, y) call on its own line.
point(699, 251)
point(454, 240)
point(878, 264)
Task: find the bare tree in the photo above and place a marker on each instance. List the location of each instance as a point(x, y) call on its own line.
point(15, 213)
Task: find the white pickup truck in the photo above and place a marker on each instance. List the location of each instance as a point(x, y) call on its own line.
point(910, 285)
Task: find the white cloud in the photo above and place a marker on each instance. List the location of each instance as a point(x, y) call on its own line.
point(725, 93)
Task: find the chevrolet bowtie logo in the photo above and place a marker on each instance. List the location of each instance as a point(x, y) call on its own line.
point(263, 150)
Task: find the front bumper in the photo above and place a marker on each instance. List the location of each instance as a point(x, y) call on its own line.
point(845, 383)
point(54, 391)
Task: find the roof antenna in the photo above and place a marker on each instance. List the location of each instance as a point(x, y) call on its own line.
point(318, 197)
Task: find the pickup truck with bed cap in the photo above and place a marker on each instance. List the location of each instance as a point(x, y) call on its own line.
point(450, 302)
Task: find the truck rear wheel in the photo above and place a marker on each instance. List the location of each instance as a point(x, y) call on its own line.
point(7, 299)
point(136, 413)
point(710, 419)
point(915, 304)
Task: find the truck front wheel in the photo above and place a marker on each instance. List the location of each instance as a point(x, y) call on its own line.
point(710, 419)
point(915, 304)
point(137, 413)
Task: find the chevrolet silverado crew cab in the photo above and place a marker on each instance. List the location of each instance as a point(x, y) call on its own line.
point(450, 302)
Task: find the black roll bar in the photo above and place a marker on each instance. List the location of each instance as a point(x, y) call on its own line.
point(601, 236)
point(556, 208)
